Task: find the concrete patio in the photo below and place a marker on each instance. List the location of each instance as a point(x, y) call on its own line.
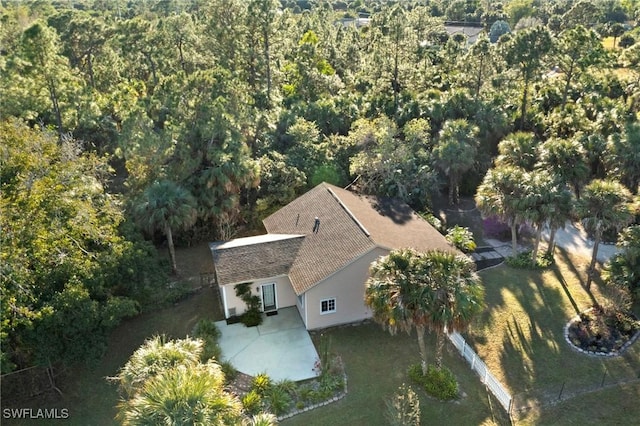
point(280, 347)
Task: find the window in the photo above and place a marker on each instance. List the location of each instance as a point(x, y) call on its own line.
point(301, 300)
point(327, 306)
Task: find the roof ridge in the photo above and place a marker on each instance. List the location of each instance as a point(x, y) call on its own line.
point(344, 206)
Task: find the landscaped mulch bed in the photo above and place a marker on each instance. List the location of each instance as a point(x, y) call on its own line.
point(603, 331)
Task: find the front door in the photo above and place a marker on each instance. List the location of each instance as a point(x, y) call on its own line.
point(269, 297)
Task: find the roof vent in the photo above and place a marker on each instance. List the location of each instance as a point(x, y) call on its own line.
point(316, 225)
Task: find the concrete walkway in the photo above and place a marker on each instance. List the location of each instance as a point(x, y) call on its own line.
point(280, 347)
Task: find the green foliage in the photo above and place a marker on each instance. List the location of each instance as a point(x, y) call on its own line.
point(165, 382)
point(403, 408)
point(252, 316)
point(261, 384)
point(388, 166)
point(278, 400)
point(229, 371)
point(523, 261)
point(68, 273)
point(436, 290)
point(461, 238)
point(623, 269)
point(280, 182)
point(252, 402)
point(497, 29)
point(208, 332)
point(433, 221)
point(437, 382)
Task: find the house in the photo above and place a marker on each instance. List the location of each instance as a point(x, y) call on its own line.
point(317, 252)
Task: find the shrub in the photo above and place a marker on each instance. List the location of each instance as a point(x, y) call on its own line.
point(278, 400)
point(209, 333)
point(403, 408)
point(288, 386)
point(230, 372)
point(439, 383)
point(261, 383)
point(251, 318)
point(523, 261)
point(461, 238)
point(433, 221)
point(252, 402)
point(264, 419)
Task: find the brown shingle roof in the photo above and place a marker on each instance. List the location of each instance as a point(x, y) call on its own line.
point(338, 241)
point(392, 223)
point(251, 258)
point(350, 225)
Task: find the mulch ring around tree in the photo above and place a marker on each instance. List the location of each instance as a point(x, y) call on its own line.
point(602, 331)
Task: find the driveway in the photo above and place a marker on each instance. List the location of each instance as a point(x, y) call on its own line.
point(571, 238)
point(280, 347)
point(574, 239)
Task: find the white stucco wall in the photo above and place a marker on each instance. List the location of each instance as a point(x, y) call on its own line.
point(347, 287)
point(285, 295)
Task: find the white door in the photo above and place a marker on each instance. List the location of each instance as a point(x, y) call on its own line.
point(269, 297)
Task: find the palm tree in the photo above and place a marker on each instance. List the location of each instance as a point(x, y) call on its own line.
point(164, 382)
point(565, 158)
point(166, 206)
point(604, 204)
point(458, 294)
point(156, 354)
point(436, 290)
point(500, 195)
point(455, 152)
point(185, 394)
point(519, 150)
point(546, 201)
point(394, 294)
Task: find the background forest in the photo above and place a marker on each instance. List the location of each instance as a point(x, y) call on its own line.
point(125, 122)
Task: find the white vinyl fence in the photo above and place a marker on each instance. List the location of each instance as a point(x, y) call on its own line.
point(480, 367)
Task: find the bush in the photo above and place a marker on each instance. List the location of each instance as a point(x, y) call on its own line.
point(461, 238)
point(209, 333)
point(230, 372)
point(252, 402)
point(523, 261)
point(261, 383)
point(433, 221)
point(278, 400)
point(251, 318)
point(439, 383)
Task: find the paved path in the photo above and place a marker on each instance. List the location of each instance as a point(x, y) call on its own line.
point(572, 238)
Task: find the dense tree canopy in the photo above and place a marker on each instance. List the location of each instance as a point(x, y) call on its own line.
point(246, 104)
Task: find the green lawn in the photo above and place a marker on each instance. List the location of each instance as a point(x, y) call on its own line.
point(376, 364)
point(520, 337)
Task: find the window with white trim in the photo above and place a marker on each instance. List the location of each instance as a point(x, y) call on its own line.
point(327, 306)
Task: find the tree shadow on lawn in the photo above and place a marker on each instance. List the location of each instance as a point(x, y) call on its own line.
point(524, 342)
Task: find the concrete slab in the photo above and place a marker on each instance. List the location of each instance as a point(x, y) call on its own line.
point(280, 347)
